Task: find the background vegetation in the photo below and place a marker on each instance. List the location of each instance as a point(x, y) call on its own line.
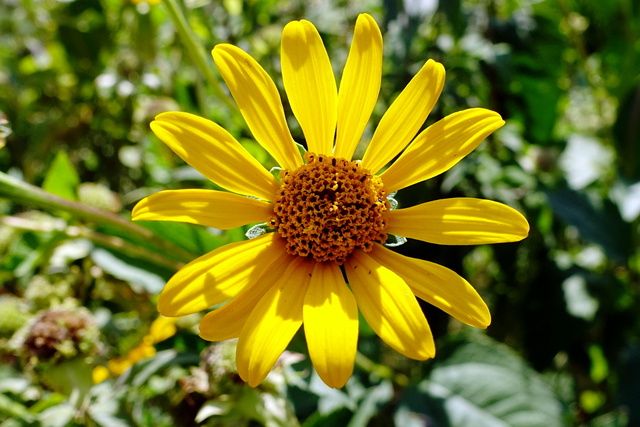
point(80, 81)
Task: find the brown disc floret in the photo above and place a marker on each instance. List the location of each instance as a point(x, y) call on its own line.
point(328, 208)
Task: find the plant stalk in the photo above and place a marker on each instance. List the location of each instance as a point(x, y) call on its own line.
point(196, 52)
point(24, 193)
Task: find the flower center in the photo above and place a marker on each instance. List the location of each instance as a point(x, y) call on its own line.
point(328, 208)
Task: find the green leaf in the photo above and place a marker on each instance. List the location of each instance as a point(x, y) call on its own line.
point(29, 251)
point(375, 398)
point(617, 418)
point(62, 178)
point(626, 136)
point(140, 373)
point(481, 383)
point(14, 409)
point(629, 383)
point(598, 221)
point(134, 271)
point(339, 417)
point(58, 416)
point(195, 239)
point(74, 374)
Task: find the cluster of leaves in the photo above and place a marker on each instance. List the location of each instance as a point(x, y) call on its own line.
point(83, 80)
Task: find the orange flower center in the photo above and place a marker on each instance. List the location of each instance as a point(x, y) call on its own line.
point(328, 208)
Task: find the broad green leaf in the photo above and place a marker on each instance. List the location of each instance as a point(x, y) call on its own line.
point(142, 371)
point(62, 178)
point(598, 221)
point(194, 238)
point(69, 376)
point(139, 273)
point(481, 384)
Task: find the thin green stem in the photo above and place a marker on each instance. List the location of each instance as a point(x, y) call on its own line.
point(21, 192)
point(366, 364)
point(104, 240)
point(195, 51)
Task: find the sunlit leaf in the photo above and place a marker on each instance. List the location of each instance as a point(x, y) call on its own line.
point(62, 178)
point(142, 275)
point(482, 384)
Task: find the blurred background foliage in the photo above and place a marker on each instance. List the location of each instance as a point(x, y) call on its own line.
point(79, 333)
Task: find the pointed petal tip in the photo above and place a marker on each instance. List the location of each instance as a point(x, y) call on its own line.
point(369, 19)
point(425, 351)
point(437, 67)
point(292, 26)
point(484, 325)
point(135, 213)
point(254, 382)
point(336, 383)
point(163, 117)
point(166, 308)
point(526, 228)
point(522, 226)
point(205, 334)
point(222, 48)
point(422, 352)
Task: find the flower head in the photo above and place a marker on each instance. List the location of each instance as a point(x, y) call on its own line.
point(330, 215)
point(161, 329)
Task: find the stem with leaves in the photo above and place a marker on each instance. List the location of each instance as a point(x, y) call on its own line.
point(24, 193)
point(195, 51)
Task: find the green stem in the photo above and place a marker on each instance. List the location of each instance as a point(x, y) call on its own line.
point(366, 364)
point(104, 240)
point(21, 192)
point(195, 51)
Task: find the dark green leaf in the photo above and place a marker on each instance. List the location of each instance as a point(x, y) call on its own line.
point(599, 224)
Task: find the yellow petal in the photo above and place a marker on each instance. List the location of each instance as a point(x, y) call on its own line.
point(438, 286)
point(359, 86)
point(100, 373)
point(459, 221)
point(119, 365)
point(215, 153)
point(218, 276)
point(405, 116)
point(226, 322)
point(259, 102)
point(441, 146)
point(274, 321)
point(211, 208)
point(310, 84)
point(162, 328)
point(331, 324)
point(389, 307)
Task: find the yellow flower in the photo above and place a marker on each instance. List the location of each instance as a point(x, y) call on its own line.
point(149, 2)
point(330, 215)
point(161, 329)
